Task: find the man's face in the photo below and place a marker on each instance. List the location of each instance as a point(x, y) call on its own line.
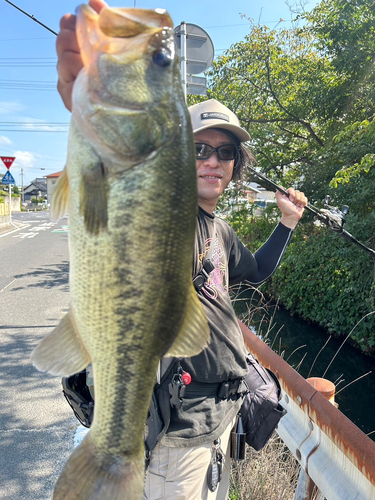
point(214, 175)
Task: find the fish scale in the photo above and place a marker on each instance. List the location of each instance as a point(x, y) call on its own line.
point(129, 186)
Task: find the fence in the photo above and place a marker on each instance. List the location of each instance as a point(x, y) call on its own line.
point(333, 452)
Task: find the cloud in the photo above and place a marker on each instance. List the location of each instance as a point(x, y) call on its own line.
point(24, 159)
point(45, 127)
point(5, 140)
point(10, 107)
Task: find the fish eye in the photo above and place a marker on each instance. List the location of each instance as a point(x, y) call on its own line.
point(162, 58)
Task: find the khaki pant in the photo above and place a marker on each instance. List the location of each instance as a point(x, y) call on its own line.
point(180, 473)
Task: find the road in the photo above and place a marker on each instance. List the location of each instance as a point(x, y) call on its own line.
point(37, 426)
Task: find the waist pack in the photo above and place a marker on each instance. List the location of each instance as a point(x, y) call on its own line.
point(260, 410)
point(78, 396)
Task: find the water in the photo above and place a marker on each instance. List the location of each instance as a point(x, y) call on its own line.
point(300, 343)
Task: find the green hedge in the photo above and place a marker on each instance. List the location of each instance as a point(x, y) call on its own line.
point(322, 277)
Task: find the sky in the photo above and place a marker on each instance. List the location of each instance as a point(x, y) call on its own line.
point(33, 120)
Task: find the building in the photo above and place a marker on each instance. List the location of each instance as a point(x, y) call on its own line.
point(51, 183)
point(36, 189)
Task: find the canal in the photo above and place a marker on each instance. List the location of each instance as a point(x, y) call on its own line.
point(302, 345)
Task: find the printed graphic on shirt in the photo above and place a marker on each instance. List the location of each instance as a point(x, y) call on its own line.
point(218, 279)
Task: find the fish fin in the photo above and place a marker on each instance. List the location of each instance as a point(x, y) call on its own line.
point(62, 352)
point(195, 332)
point(93, 199)
point(89, 474)
point(60, 198)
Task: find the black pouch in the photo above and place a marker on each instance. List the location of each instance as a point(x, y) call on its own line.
point(260, 410)
point(78, 396)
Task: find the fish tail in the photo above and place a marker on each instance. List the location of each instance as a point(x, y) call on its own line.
point(90, 475)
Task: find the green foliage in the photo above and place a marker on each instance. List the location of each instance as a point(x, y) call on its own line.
point(301, 91)
point(251, 229)
point(353, 151)
point(322, 278)
point(36, 200)
point(307, 97)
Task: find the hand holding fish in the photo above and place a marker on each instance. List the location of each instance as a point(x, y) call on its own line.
point(69, 54)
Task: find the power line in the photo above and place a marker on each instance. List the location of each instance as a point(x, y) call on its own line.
point(26, 39)
point(36, 123)
point(33, 130)
point(32, 155)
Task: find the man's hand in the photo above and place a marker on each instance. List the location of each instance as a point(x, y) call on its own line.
point(291, 207)
point(69, 61)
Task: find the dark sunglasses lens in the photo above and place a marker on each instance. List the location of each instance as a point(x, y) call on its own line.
point(203, 151)
point(227, 152)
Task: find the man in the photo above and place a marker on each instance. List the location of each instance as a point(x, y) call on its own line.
point(199, 427)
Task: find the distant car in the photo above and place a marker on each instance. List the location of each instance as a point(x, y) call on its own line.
point(24, 205)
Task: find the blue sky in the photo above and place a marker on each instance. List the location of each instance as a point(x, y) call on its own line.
point(28, 73)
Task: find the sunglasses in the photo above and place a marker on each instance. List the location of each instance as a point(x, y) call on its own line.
point(226, 152)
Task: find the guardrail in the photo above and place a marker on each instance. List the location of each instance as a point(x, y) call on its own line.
point(337, 456)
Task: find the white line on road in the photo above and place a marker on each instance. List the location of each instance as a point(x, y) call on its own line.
point(11, 232)
point(7, 285)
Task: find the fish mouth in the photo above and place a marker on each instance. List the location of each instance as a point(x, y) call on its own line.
point(131, 22)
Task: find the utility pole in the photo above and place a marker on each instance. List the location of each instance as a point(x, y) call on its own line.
point(22, 195)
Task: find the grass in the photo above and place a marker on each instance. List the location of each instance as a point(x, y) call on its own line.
point(268, 474)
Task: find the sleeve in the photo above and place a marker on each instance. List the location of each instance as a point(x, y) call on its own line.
point(244, 266)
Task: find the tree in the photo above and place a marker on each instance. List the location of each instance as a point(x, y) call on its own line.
point(307, 97)
point(298, 95)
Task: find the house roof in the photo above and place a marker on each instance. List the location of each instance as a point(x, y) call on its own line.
point(57, 174)
point(39, 186)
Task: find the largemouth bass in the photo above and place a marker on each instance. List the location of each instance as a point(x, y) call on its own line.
point(129, 186)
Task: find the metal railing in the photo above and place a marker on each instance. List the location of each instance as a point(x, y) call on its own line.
point(333, 452)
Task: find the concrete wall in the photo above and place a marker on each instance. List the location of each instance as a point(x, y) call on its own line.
point(16, 203)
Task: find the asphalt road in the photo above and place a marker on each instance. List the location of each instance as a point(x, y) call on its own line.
point(37, 426)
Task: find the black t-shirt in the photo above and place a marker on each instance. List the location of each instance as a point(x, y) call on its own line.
point(203, 418)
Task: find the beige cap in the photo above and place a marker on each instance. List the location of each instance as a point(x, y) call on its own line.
point(213, 114)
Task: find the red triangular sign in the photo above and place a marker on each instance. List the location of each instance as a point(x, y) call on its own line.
point(8, 160)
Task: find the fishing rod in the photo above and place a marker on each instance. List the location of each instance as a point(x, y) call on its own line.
point(330, 216)
point(31, 17)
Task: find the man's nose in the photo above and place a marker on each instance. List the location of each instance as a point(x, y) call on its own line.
point(213, 161)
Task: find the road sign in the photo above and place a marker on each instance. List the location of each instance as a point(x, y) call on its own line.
point(8, 178)
point(196, 85)
point(199, 48)
point(8, 160)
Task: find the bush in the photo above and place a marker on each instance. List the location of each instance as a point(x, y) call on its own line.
point(322, 278)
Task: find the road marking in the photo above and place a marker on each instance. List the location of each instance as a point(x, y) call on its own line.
point(25, 235)
point(11, 232)
point(33, 231)
point(64, 229)
point(7, 285)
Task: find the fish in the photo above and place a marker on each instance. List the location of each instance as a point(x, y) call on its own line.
point(130, 190)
